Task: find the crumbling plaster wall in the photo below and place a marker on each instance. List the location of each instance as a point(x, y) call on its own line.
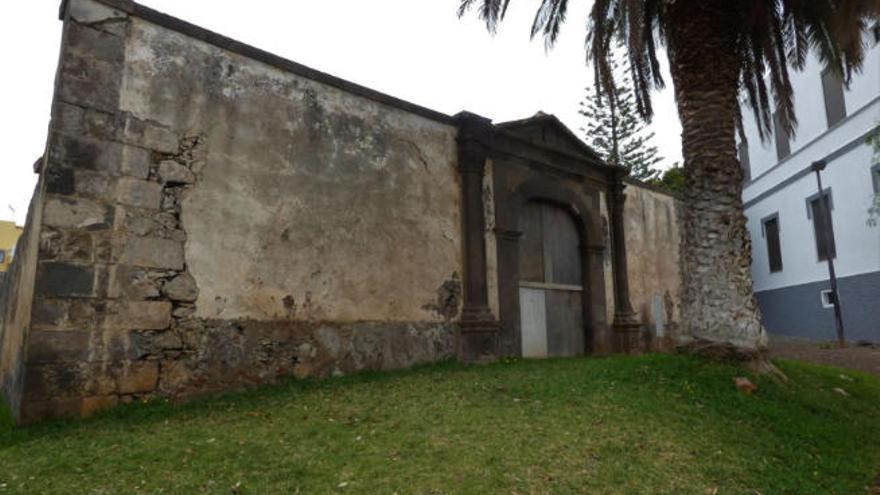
point(211, 221)
point(312, 203)
point(652, 244)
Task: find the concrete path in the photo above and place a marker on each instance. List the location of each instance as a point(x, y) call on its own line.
point(862, 358)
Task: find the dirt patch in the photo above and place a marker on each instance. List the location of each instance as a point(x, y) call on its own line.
point(857, 357)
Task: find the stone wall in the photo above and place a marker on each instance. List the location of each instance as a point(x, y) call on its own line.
point(16, 295)
point(211, 221)
point(652, 244)
point(211, 216)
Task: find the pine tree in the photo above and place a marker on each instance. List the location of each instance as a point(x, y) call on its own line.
point(617, 132)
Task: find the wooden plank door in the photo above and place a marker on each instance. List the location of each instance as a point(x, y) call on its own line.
point(551, 286)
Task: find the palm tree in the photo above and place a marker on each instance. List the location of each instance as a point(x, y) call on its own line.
point(717, 49)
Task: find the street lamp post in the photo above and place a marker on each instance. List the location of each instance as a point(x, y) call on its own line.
point(817, 167)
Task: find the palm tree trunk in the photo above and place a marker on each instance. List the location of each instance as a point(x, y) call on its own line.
point(719, 311)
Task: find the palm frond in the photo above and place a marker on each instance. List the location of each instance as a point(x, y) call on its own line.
point(771, 37)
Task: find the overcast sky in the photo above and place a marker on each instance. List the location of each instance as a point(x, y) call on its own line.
point(415, 50)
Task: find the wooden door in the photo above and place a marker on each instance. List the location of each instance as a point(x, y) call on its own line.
point(550, 285)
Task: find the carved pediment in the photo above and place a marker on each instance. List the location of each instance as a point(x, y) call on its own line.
point(546, 130)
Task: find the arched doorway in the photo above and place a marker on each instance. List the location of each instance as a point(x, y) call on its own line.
point(551, 287)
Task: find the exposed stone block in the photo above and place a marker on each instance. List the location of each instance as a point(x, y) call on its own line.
point(75, 213)
point(142, 315)
point(181, 288)
point(49, 314)
point(139, 377)
point(139, 193)
point(131, 282)
point(78, 121)
point(57, 346)
point(94, 12)
point(54, 381)
point(96, 185)
point(68, 119)
point(105, 247)
point(95, 44)
point(58, 279)
point(59, 180)
point(89, 82)
point(67, 245)
point(151, 252)
point(184, 311)
point(82, 314)
point(108, 157)
point(149, 135)
point(176, 377)
point(175, 173)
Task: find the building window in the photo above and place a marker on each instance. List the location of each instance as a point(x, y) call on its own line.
point(826, 297)
point(823, 229)
point(832, 87)
point(2, 256)
point(783, 148)
point(774, 249)
point(744, 161)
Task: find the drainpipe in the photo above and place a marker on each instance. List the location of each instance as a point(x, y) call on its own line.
point(817, 167)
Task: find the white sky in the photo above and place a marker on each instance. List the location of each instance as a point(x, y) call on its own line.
point(415, 50)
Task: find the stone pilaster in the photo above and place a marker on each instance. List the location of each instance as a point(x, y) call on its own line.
point(478, 327)
point(626, 326)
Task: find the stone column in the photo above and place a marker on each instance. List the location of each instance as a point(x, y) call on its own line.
point(478, 327)
point(626, 326)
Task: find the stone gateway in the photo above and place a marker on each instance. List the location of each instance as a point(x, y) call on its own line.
point(210, 216)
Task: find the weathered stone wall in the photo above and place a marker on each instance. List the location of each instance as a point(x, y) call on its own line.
point(211, 221)
point(652, 244)
point(16, 295)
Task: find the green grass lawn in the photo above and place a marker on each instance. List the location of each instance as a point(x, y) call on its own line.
point(653, 424)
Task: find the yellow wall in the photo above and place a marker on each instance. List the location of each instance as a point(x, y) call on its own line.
point(9, 234)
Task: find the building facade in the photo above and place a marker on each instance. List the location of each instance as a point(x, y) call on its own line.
point(211, 216)
point(791, 238)
point(9, 234)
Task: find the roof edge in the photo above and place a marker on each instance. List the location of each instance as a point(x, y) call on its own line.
point(207, 36)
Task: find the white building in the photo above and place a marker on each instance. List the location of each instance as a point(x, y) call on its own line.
point(780, 194)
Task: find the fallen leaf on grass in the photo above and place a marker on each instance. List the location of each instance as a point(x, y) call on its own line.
point(745, 385)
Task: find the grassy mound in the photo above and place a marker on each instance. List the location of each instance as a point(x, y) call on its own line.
point(653, 424)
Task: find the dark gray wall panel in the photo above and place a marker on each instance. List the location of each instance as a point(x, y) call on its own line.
point(797, 311)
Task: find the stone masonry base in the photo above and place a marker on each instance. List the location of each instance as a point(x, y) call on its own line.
point(202, 356)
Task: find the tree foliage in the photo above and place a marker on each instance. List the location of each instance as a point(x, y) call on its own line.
point(617, 132)
point(770, 36)
point(672, 179)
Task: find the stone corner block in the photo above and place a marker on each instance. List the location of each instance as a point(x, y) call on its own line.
point(139, 193)
point(152, 252)
point(141, 315)
point(58, 279)
point(67, 212)
point(57, 346)
point(181, 288)
point(139, 377)
point(175, 173)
